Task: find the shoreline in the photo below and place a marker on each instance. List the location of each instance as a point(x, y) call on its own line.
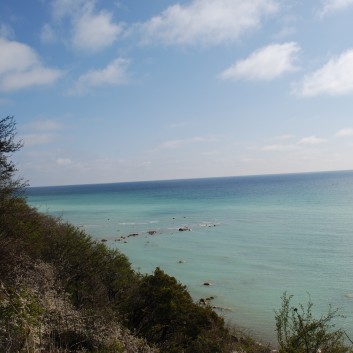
point(230, 319)
point(228, 313)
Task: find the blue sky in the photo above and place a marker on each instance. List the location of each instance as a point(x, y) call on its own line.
point(109, 91)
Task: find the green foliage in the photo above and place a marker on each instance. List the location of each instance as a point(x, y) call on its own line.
point(92, 273)
point(95, 275)
point(299, 332)
point(162, 310)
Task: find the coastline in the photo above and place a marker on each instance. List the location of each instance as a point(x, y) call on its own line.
point(273, 234)
point(200, 285)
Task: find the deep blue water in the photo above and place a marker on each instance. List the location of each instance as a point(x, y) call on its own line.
point(253, 237)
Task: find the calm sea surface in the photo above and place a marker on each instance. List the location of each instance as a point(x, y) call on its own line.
point(252, 237)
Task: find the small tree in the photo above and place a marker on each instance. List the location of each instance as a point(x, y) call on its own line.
point(9, 185)
point(299, 332)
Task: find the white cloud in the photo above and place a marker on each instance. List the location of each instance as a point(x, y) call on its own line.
point(92, 30)
point(287, 147)
point(266, 63)
point(113, 74)
point(330, 6)
point(334, 78)
point(344, 132)
point(20, 67)
point(35, 76)
point(207, 21)
point(15, 56)
point(311, 140)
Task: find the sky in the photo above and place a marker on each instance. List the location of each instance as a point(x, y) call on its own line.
point(110, 91)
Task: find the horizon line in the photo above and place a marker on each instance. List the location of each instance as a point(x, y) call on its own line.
point(194, 178)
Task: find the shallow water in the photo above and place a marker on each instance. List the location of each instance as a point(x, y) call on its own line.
point(252, 237)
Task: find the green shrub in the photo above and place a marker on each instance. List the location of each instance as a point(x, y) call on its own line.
point(299, 332)
point(162, 311)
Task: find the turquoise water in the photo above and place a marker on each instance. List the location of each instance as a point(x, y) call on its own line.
point(252, 237)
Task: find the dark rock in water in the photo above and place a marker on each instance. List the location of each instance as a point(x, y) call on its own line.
point(207, 284)
point(133, 235)
point(151, 232)
point(205, 301)
point(183, 229)
point(103, 240)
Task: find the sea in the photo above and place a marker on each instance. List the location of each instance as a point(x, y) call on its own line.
point(245, 241)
